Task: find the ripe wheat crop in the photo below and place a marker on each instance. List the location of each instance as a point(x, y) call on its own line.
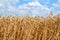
point(29, 28)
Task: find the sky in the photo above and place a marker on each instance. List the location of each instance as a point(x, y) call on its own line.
point(29, 7)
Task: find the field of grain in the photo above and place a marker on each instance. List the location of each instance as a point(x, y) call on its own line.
point(29, 28)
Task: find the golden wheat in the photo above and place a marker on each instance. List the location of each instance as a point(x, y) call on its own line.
point(29, 28)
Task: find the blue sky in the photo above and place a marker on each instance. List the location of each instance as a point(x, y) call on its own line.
point(43, 2)
point(29, 7)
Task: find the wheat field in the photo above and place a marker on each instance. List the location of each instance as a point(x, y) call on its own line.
point(29, 28)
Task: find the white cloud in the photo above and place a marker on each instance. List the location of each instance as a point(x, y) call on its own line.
point(7, 6)
point(34, 4)
point(32, 8)
point(1, 4)
point(56, 5)
point(59, 1)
